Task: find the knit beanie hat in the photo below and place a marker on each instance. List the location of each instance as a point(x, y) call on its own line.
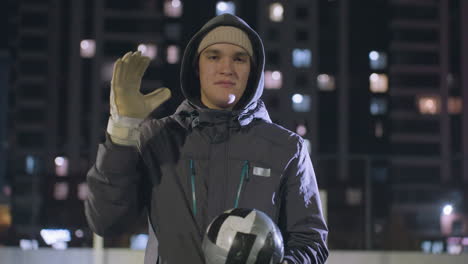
point(226, 34)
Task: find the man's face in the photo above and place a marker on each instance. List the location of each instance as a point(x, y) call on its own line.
point(224, 72)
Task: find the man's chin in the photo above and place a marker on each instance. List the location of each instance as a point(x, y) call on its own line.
point(225, 106)
point(224, 103)
point(227, 103)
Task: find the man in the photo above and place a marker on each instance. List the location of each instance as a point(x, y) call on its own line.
point(218, 151)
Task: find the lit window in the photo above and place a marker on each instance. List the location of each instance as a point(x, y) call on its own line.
point(60, 246)
point(378, 130)
point(172, 54)
point(378, 83)
point(428, 105)
point(173, 8)
point(87, 48)
point(148, 50)
point(302, 58)
point(57, 238)
point(301, 130)
point(377, 60)
point(437, 247)
point(6, 190)
point(276, 12)
point(79, 233)
point(61, 166)
point(326, 82)
point(52, 236)
point(455, 105)
point(454, 249)
point(378, 106)
point(273, 80)
point(82, 191)
point(448, 209)
point(426, 246)
point(138, 242)
point(301, 102)
point(225, 7)
point(297, 98)
point(30, 164)
point(61, 191)
point(5, 215)
point(26, 244)
point(353, 196)
point(465, 241)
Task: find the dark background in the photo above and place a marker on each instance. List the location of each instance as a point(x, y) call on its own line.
point(386, 176)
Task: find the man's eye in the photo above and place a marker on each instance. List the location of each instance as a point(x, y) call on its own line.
point(240, 59)
point(212, 57)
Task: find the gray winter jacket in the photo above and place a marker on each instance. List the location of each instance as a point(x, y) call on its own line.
point(199, 162)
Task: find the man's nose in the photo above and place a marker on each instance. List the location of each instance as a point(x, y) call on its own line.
point(226, 67)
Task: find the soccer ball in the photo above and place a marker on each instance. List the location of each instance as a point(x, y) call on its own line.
point(243, 236)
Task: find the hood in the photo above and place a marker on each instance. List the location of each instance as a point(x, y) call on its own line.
point(189, 80)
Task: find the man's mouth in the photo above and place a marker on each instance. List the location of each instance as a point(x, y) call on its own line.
point(225, 83)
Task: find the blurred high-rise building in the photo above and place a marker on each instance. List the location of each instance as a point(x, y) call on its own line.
point(5, 91)
point(426, 117)
point(63, 60)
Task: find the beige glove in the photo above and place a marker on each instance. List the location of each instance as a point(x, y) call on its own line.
point(128, 106)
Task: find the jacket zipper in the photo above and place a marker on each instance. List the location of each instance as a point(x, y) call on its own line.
point(226, 172)
point(192, 179)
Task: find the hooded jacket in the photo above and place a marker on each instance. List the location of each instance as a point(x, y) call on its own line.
point(199, 162)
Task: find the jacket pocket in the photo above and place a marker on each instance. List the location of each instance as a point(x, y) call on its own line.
point(260, 189)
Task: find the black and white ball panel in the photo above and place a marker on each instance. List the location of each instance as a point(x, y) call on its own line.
point(243, 236)
point(214, 228)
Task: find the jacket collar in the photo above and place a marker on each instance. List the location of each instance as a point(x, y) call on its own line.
point(190, 115)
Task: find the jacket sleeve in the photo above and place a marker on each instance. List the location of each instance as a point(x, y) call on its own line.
point(301, 221)
point(115, 198)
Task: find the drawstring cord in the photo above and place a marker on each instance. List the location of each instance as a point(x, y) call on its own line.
point(192, 176)
point(244, 174)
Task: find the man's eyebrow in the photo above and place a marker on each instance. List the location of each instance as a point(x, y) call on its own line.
point(241, 53)
point(212, 51)
point(217, 52)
